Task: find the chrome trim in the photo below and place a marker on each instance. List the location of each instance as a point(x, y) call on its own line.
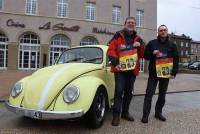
point(44, 115)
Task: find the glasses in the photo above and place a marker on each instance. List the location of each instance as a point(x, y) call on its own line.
point(163, 30)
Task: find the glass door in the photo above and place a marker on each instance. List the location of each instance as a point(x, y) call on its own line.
point(25, 60)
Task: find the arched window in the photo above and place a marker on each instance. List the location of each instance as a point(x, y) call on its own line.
point(3, 51)
point(29, 51)
point(59, 43)
point(89, 40)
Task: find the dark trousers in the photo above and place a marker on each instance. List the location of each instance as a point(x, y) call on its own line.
point(124, 82)
point(150, 91)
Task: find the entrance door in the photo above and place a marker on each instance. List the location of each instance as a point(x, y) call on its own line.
point(29, 59)
point(25, 60)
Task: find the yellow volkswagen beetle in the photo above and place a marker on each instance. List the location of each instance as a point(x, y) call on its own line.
point(78, 84)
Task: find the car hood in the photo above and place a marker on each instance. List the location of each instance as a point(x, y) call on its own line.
point(43, 86)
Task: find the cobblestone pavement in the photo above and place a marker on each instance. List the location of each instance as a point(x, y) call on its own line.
point(182, 111)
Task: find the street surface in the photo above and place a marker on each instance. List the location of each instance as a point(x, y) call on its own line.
point(182, 111)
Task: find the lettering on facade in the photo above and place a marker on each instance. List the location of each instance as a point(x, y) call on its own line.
point(45, 26)
point(11, 23)
point(102, 31)
point(59, 26)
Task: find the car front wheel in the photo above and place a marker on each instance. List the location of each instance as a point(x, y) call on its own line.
point(96, 114)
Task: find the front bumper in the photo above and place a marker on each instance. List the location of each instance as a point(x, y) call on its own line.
point(44, 115)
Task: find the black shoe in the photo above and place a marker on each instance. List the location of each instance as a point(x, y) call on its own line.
point(115, 121)
point(160, 117)
point(144, 119)
point(127, 117)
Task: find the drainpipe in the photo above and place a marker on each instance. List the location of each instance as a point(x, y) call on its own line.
point(129, 7)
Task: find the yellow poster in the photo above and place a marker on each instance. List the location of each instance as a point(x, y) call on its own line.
point(128, 59)
point(164, 67)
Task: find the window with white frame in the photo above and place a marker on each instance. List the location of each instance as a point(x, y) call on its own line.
point(139, 18)
point(116, 14)
point(59, 43)
point(29, 51)
point(90, 11)
point(3, 51)
point(1, 4)
point(89, 40)
point(31, 7)
point(62, 8)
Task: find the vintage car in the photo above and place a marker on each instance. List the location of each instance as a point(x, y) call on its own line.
point(79, 84)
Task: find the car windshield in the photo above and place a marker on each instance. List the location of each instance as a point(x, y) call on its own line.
point(82, 55)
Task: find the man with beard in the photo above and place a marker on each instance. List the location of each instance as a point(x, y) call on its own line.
point(125, 45)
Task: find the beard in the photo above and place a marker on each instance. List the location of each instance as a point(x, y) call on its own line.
point(130, 28)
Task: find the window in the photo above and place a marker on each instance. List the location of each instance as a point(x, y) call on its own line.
point(139, 18)
point(186, 45)
point(31, 6)
point(59, 43)
point(62, 8)
point(186, 52)
point(91, 11)
point(3, 51)
point(182, 44)
point(116, 15)
point(1, 4)
point(182, 53)
point(89, 41)
point(192, 51)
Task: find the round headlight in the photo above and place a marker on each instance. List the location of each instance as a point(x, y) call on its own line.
point(71, 93)
point(16, 90)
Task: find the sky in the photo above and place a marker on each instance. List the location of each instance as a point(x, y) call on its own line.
point(180, 16)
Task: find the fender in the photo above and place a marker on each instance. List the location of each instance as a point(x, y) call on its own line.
point(88, 86)
point(18, 100)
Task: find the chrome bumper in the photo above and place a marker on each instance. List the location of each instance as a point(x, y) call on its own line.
point(44, 115)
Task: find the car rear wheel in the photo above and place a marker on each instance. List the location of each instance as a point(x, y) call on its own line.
point(96, 114)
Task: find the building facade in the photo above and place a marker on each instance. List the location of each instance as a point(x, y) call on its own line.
point(33, 33)
point(195, 51)
point(183, 43)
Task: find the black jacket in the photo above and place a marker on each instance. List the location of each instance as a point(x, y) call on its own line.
point(167, 47)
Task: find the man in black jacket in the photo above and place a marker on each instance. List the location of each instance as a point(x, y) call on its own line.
point(163, 65)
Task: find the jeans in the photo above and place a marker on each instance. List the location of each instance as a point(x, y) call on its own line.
point(150, 91)
point(124, 82)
